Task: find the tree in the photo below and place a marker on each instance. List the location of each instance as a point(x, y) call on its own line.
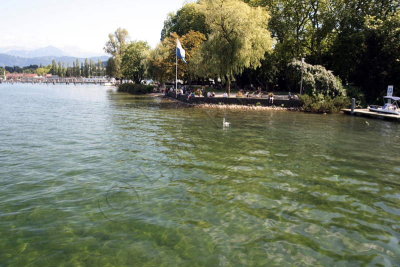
point(316, 79)
point(192, 42)
point(380, 62)
point(188, 18)
point(133, 61)
point(54, 67)
point(237, 40)
point(115, 46)
point(86, 68)
point(161, 60)
point(159, 63)
point(77, 71)
point(99, 68)
point(111, 68)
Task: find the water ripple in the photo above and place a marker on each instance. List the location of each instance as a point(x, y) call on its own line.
point(93, 177)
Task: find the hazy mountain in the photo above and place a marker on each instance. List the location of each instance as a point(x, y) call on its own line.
point(49, 51)
point(10, 60)
point(4, 49)
point(75, 51)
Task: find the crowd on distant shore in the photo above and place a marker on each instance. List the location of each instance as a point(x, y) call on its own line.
point(189, 93)
point(202, 92)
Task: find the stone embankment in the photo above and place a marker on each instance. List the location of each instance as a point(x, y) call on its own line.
point(279, 102)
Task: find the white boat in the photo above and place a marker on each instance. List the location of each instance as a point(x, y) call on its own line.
point(391, 106)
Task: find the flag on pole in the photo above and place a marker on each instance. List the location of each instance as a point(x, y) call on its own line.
point(180, 51)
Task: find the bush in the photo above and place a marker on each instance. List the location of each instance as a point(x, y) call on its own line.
point(316, 80)
point(136, 89)
point(356, 92)
point(324, 104)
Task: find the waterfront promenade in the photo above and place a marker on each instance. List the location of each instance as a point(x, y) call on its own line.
point(284, 101)
point(60, 80)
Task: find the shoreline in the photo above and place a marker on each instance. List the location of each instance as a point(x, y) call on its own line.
point(281, 102)
point(229, 106)
point(245, 107)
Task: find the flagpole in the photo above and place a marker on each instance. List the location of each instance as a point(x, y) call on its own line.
point(176, 73)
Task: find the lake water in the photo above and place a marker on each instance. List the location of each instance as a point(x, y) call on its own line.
point(91, 177)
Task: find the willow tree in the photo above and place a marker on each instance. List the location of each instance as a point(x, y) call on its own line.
point(238, 37)
point(116, 44)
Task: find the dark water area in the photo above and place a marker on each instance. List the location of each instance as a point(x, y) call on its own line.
point(91, 177)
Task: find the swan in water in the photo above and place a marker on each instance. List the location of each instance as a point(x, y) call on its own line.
point(225, 123)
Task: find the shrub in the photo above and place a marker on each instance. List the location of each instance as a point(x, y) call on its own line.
point(324, 104)
point(136, 89)
point(316, 79)
point(356, 92)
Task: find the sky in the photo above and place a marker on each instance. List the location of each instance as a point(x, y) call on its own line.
point(80, 25)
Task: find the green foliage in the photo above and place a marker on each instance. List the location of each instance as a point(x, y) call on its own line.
point(136, 89)
point(161, 60)
point(115, 46)
point(90, 68)
point(133, 61)
point(159, 65)
point(316, 79)
point(186, 19)
point(356, 93)
point(237, 40)
point(42, 71)
point(111, 70)
point(324, 104)
point(380, 64)
point(358, 40)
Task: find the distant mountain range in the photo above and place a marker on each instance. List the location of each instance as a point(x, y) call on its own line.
point(42, 56)
point(49, 51)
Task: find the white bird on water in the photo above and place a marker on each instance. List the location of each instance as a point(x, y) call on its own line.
point(225, 123)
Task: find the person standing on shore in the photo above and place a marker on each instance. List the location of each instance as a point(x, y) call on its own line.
point(271, 98)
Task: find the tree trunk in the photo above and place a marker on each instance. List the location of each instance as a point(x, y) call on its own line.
point(228, 85)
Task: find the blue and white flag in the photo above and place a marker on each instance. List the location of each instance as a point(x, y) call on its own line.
point(180, 51)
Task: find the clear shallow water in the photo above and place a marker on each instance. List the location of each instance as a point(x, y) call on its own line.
point(90, 177)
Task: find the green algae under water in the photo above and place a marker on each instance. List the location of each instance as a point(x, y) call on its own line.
point(91, 177)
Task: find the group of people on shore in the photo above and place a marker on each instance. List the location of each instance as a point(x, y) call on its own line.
point(255, 94)
point(191, 93)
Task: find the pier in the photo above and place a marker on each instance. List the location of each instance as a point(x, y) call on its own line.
point(370, 114)
point(60, 80)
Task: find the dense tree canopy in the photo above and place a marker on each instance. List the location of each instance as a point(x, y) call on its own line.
point(133, 61)
point(161, 62)
point(338, 35)
point(237, 40)
point(254, 42)
point(110, 68)
point(186, 19)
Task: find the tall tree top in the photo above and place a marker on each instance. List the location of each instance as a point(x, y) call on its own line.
point(117, 42)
